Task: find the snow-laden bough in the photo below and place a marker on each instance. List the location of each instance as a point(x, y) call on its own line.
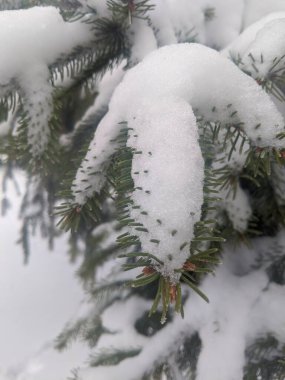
point(29, 73)
point(159, 100)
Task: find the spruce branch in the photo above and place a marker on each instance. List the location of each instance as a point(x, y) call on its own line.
point(112, 356)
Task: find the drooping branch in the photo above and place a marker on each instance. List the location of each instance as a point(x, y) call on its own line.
point(155, 100)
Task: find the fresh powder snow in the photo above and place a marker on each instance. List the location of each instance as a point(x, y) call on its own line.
point(156, 99)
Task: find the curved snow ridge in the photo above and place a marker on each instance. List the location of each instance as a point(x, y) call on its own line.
point(261, 45)
point(33, 55)
point(205, 79)
point(17, 34)
point(241, 43)
point(156, 98)
point(168, 178)
point(200, 76)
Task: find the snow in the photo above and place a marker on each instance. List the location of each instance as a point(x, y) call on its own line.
point(224, 333)
point(180, 20)
point(240, 312)
point(38, 105)
point(174, 23)
point(166, 132)
point(101, 6)
point(256, 9)
point(160, 18)
point(148, 78)
point(153, 348)
point(226, 23)
point(123, 325)
point(149, 102)
point(175, 18)
point(163, 127)
point(263, 44)
point(36, 300)
point(90, 176)
point(236, 203)
point(240, 44)
point(241, 309)
point(7, 125)
point(142, 41)
point(105, 89)
point(188, 19)
point(268, 42)
point(156, 98)
point(18, 29)
point(17, 33)
point(233, 199)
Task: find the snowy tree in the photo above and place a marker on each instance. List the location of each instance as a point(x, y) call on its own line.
point(153, 134)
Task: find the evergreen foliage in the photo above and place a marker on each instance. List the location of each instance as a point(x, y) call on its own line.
point(71, 187)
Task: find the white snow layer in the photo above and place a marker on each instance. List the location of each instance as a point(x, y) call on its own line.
point(184, 20)
point(174, 23)
point(31, 40)
point(259, 46)
point(35, 301)
point(236, 203)
point(142, 41)
point(246, 38)
point(54, 37)
point(105, 89)
point(241, 309)
point(168, 177)
point(226, 23)
point(237, 298)
point(233, 199)
point(155, 99)
point(256, 9)
point(38, 105)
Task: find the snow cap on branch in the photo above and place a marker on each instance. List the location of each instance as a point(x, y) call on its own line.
point(168, 178)
point(195, 74)
point(33, 56)
point(260, 46)
point(155, 99)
